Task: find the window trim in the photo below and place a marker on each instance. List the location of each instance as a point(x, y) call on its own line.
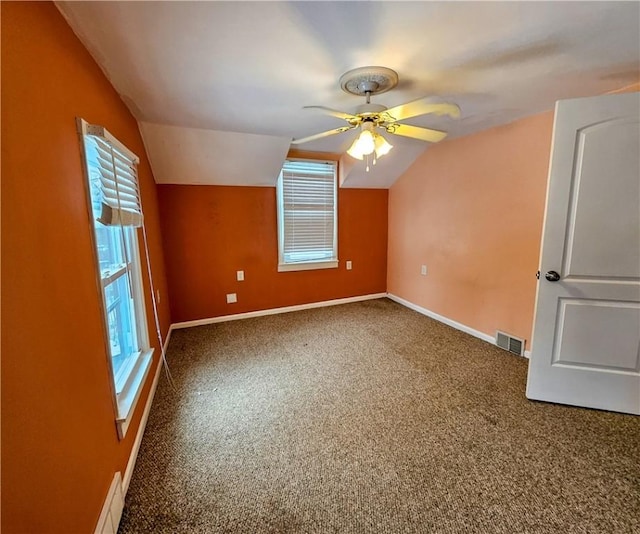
point(125, 392)
point(310, 264)
point(307, 266)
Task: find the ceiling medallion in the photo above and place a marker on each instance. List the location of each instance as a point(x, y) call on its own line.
point(372, 80)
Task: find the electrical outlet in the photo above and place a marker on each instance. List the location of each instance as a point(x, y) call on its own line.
point(157, 296)
point(231, 298)
point(240, 276)
point(423, 270)
point(348, 265)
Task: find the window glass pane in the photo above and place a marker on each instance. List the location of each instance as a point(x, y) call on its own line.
point(114, 247)
point(120, 317)
point(111, 253)
point(307, 191)
point(94, 177)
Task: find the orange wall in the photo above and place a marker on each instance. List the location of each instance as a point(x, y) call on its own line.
point(471, 210)
point(210, 232)
point(59, 443)
point(632, 88)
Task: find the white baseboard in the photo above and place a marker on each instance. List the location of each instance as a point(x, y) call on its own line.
point(274, 311)
point(166, 341)
point(443, 319)
point(114, 502)
point(455, 324)
point(112, 508)
point(143, 422)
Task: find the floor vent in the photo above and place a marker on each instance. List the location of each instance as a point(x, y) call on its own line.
point(510, 343)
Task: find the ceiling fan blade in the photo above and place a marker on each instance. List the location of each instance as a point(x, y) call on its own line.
point(419, 107)
point(424, 134)
point(321, 135)
point(334, 113)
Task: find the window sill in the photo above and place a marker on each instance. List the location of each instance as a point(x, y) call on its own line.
point(129, 396)
point(307, 266)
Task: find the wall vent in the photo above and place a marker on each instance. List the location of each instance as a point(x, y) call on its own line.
point(511, 343)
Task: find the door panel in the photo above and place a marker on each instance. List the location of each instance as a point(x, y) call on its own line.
point(600, 191)
point(609, 324)
point(586, 340)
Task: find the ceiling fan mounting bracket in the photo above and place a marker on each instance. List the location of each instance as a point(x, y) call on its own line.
point(365, 81)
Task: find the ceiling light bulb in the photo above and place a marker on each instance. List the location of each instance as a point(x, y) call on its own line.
point(382, 146)
point(365, 143)
point(354, 151)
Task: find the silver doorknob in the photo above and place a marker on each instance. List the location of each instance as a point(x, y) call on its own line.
point(552, 276)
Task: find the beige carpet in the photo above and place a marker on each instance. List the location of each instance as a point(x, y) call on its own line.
point(371, 418)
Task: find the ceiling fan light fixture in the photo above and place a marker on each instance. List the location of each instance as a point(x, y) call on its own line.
point(365, 142)
point(370, 118)
point(354, 153)
point(382, 146)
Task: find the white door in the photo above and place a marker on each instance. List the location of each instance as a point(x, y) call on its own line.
point(586, 337)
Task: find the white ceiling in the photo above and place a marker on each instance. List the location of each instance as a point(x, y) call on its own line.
point(219, 87)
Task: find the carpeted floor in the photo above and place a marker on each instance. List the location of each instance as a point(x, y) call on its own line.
point(371, 418)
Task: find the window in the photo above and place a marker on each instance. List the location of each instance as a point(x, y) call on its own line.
point(307, 221)
point(116, 214)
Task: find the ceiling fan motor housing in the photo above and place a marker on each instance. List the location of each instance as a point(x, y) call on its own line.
point(370, 109)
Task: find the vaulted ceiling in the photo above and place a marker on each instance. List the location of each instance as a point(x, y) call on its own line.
point(219, 87)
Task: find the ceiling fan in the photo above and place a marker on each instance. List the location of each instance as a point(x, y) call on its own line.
point(369, 118)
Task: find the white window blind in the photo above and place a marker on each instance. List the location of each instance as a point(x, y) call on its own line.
point(308, 212)
point(118, 192)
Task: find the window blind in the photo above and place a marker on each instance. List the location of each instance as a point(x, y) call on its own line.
point(308, 211)
point(118, 185)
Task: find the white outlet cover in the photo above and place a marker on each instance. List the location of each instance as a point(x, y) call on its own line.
point(349, 265)
point(231, 298)
point(240, 276)
point(423, 270)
